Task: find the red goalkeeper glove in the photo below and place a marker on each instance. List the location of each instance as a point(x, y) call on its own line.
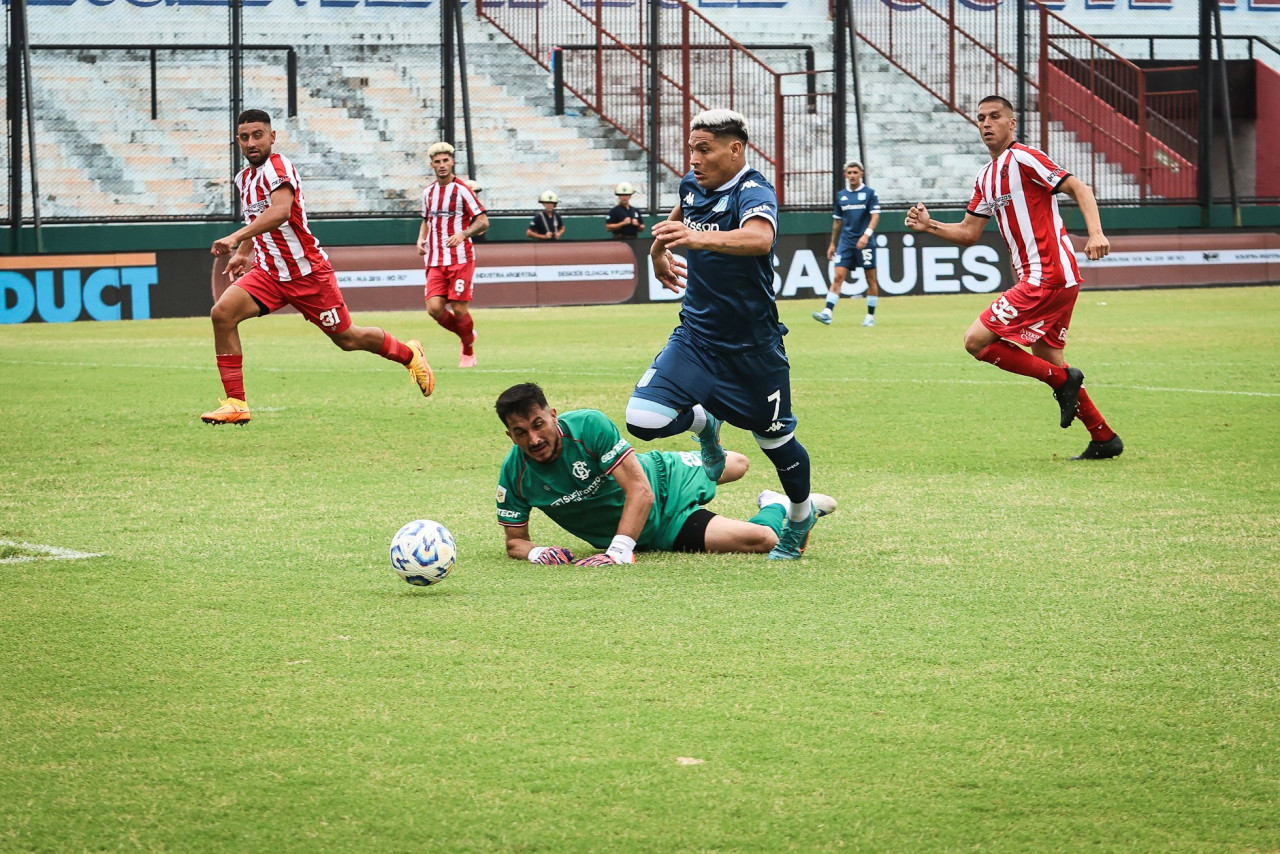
point(550, 555)
point(599, 560)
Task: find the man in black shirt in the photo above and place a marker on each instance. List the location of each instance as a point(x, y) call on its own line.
point(624, 222)
point(546, 223)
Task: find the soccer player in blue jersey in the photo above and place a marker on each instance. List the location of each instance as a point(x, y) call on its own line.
point(725, 361)
point(857, 213)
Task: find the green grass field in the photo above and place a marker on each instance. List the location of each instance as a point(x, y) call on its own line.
point(987, 648)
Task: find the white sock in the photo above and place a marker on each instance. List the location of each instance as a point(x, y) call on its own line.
point(699, 418)
point(800, 512)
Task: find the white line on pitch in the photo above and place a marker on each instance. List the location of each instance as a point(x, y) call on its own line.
point(571, 373)
point(46, 553)
point(1013, 381)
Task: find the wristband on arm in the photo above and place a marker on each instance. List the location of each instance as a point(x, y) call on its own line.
point(622, 549)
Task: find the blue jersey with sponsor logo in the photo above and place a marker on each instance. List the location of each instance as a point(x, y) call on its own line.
point(854, 209)
point(729, 302)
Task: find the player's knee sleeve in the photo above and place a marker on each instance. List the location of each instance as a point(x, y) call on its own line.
point(648, 420)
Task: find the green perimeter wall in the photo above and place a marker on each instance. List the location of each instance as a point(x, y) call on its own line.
point(112, 237)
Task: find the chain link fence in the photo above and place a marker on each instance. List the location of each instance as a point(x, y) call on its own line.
point(133, 114)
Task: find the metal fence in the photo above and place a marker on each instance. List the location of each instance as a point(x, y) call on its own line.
point(695, 66)
point(137, 125)
point(1140, 141)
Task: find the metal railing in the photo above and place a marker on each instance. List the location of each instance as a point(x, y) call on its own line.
point(291, 61)
point(1153, 38)
point(1073, 83)
point(695, 66)
point(558, 61)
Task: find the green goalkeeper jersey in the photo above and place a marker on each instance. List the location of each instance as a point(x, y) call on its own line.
point(578, 493)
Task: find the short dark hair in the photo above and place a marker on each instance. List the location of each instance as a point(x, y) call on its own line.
point(1004, 102)
point(248, 117)
point(520, 399)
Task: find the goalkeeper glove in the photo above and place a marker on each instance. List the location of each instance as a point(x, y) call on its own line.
point(621, 550)
point(550, 555)
point(596, 560)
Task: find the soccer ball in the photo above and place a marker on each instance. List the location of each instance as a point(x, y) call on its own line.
point(423, 552)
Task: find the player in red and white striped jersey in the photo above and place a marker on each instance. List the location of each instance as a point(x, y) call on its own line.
point(451, 216)
point(277, 261)
point(1017, 189)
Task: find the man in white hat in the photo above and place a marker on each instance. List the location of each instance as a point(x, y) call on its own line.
point(624, 222)
point(546, 223)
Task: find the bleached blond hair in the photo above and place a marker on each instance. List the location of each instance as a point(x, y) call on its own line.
point(721, 123)
point(440, 148)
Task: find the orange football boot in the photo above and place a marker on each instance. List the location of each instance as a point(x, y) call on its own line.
point(420, 370)
point(231, 411)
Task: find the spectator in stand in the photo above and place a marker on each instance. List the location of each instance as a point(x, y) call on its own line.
point(624, 222)
point(546, 223)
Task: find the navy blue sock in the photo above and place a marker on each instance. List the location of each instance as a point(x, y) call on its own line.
point(792, 462)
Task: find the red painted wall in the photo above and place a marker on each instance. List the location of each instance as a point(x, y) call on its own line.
point(1168, 175)
point(1268, 130)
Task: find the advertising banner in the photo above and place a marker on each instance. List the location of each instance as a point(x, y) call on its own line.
point(111, 286)
point(184, 283)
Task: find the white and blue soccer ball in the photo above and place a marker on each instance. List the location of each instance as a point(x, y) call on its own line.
point(423, 552)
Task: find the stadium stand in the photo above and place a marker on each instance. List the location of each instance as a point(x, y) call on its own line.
point(367, 110)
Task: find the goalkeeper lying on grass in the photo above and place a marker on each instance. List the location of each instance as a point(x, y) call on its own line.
point(578, 469)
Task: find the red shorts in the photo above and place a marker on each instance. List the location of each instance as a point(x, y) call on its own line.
point(316, 296)
point(1025, 314)
point(452, 283)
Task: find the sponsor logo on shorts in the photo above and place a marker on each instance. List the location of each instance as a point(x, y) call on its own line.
point(508, 514)
point(502, 492)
